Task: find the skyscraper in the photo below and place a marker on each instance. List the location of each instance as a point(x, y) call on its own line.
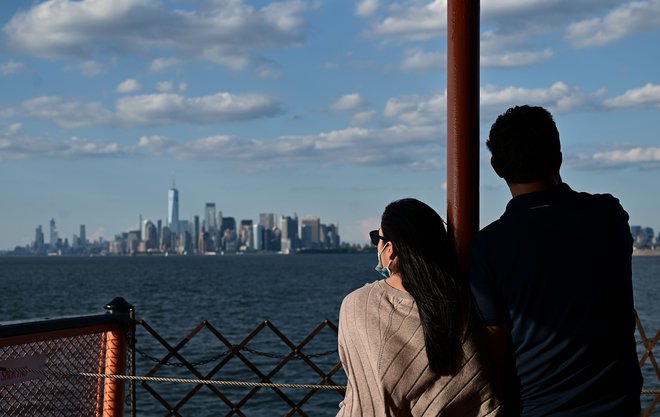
point(83, 235)
point(310, 232)
point(210, 222)
point(196, 234)
point(173, 210)
point(38, 245)
point(289, 228)
point(53, 233)
point(267, 220)
point(257, 237)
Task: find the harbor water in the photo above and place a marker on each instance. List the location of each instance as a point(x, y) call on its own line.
point(235, 294)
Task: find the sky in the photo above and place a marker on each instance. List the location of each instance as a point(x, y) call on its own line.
point(327, 108)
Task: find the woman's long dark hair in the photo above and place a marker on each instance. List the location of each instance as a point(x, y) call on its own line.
point(427, 263)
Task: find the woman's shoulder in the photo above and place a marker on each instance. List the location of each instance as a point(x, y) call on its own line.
point(378, 295)
point(364, 292)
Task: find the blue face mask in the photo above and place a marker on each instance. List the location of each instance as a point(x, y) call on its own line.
point(383, 270)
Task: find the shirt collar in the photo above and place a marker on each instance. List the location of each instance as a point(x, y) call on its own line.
point(539, 198)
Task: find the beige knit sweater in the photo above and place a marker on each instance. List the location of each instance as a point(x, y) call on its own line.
point(381, 346)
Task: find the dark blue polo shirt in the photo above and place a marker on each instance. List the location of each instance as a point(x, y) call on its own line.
point(556, 268)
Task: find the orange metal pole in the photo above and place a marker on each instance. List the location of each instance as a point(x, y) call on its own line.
point(101, 381)
point(463, 124)
point(115, 364)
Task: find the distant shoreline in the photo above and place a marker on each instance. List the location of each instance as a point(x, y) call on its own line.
point(646, 252)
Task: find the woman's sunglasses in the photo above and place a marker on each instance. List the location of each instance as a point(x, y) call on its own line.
point(375, 237)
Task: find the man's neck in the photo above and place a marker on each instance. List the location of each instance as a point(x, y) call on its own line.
point(520, 188)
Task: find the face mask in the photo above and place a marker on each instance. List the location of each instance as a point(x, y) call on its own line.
point(383, 270)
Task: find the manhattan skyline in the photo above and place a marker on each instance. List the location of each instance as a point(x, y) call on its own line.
point(209, 234)
point(326, 108)
point(209, 219)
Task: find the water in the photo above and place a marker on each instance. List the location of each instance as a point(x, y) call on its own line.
point(235, 294)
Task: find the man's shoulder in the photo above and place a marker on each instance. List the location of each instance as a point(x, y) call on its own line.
point(603, 198)
point(583, 196)
point(601, 205)
point(493, 230)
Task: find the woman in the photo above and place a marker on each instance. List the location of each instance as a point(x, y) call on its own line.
point(406, 342)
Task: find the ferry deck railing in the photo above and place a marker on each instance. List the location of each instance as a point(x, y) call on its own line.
point(77, 366)
point(95, 343)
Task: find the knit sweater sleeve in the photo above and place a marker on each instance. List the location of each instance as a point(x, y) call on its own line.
point(358, 346)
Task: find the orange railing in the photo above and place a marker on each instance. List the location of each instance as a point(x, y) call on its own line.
point(34, 354)
point(60, 367)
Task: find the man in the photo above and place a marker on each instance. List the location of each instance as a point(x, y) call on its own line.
point(552, 279)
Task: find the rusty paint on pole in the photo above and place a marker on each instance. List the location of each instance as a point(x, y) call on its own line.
point(463, 123)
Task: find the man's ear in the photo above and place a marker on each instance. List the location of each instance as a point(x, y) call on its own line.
point(496, 167)
point(558, 161)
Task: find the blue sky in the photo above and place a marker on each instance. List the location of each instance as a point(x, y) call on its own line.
point(328, 108)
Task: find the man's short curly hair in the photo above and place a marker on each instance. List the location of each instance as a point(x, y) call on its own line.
point(524, 143)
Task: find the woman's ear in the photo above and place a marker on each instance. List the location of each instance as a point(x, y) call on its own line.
point(393, 250)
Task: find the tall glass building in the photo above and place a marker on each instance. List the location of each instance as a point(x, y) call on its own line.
point(173, 210)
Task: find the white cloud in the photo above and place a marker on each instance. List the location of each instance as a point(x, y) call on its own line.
point(77, 148)
point(639, 157)
point(88, 68)
point(68, 114)
point(366, 8)
point(148, 110)
point(649, 94)
point(14, 129)
point(83, 29)
point(416, 110)
point(165, 108)
point(349, 102)
point(154, 144)
point(516, 14)
point(512, 29)
point(517, 33)
point(92, 68)
point(128, 86)
point(494, 8)
point(26, 147)
point(268, 71)
point(363, 117)
point(558, 98)
point(161, 64)
point(418, 60)
point(415, 147)
point(493, 41)
point(431, 110)
point(417, 21)
point(165, 87)
point(11, 67)
point(170, 87)
point(340, 147)
point(401, 145)
point(516, 59)
point(629, 19)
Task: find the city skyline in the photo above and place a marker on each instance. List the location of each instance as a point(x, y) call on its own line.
point(213, 219)
point(294, 234)
point(334, 108)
